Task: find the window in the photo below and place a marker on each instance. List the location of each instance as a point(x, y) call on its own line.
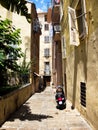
point(47, 52)
point(45, 17)
point(77, 23)
point(46, 39)
point(81, 19)
point(47, 68)
point(46, 27)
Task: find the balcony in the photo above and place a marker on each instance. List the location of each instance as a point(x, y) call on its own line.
point(46, 55)
point(56, 20)
point(56, 32)
point(36, 25)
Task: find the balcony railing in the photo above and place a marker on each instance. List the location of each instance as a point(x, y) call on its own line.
point(46, 55)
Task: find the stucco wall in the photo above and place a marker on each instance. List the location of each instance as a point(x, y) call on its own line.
point(44, 45)
point(82, 65)
point(11, 102)
point(92, 79)
point(20, 22)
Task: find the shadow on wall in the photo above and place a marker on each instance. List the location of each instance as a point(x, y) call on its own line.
point(80, 55)
point(24, 113)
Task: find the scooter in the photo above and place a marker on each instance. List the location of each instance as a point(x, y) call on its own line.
point(60, 98)
point(61, 102)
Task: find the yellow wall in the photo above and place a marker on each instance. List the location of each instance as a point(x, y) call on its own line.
point(82, 63)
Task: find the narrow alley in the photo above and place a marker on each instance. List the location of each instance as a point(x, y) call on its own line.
point(40, 113)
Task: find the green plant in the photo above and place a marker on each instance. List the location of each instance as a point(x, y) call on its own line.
point(10, 51)
point(24, 70)
point(18, 6)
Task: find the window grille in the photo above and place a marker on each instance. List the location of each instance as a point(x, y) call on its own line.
point(83, 94)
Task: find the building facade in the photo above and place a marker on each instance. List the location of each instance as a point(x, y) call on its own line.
point(30, 35)
point(34, 49)
point(56, 44)
point(45, 60)
point(20, 22)
point(79, 36)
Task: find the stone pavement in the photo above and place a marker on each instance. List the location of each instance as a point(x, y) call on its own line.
point(40, 113)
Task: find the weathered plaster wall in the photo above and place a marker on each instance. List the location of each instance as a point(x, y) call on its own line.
point(82, 65)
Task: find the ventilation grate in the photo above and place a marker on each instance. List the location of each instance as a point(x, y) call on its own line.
point(83, 93)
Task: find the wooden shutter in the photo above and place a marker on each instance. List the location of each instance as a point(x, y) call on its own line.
point(84, 17)
point(63, 47)
point(74, 35)
point(61, 11)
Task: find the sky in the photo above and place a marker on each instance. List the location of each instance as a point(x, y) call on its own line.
point(41, 5)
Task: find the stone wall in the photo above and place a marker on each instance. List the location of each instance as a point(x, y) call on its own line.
point(12, 101)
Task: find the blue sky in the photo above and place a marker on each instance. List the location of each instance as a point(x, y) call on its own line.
point(41, 5)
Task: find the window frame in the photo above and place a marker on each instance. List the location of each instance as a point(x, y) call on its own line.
point(75, 25)
point(81, 19)
point(45, 17)
point(46, 39)
point(46, 27)
point(46, 52)
point(47, 68)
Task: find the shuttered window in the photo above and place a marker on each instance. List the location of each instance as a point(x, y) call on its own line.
point(61, 10)
point(73, 30)
point(81, 19)
point(77, 23)
point(63, 47)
